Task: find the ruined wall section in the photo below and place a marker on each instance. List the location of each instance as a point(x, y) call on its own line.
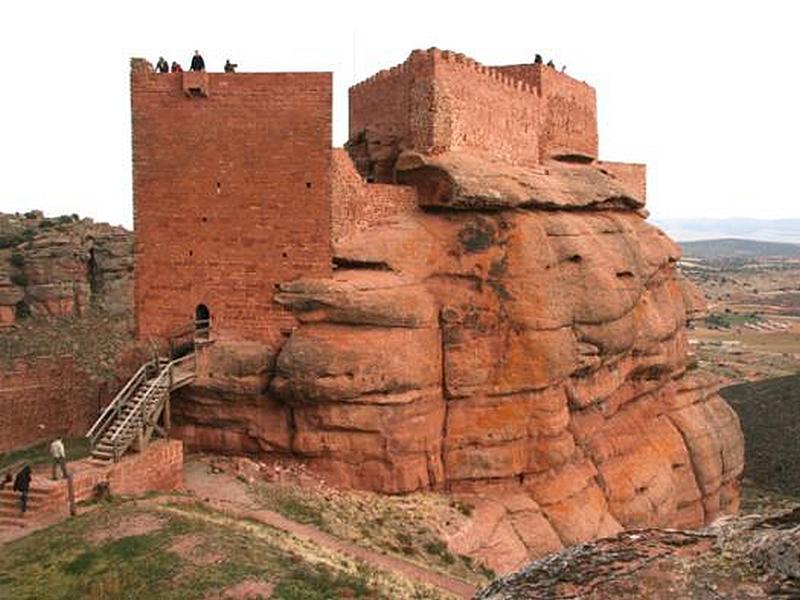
point(358, 205)
point(231, 196)
point(568, 111)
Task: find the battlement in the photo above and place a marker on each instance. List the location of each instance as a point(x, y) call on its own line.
point(434, 55)
point(438, 100)
point(568, 111)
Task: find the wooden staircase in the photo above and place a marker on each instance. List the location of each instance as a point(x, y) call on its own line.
point(141, 409)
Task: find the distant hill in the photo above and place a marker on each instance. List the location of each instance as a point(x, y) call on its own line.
point(770, 414)
point(736, 248)
point(768, 230)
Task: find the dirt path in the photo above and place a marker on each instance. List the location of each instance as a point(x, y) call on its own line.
point(230, 498)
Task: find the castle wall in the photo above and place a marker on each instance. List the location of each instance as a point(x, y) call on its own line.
point(358, 205)
point(568, 110)
point(382, 104)
point(438, 101)
point(633, 176)
point(231, 196)
point(49, 391)
point(478, 108)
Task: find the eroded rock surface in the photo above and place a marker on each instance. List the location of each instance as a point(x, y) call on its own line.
point(752, 557)
point(59, 267)
point(521, 343)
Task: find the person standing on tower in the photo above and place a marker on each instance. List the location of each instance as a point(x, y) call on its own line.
point(198, 64)
point(161, 65)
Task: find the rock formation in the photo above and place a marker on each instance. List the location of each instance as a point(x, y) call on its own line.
point(62, 266)
point(502, 322)
point(521, 340)
point(751, 557)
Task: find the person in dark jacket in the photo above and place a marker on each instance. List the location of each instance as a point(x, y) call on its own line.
point(22, 484)
point(162, 66)
point(538, 59)
point(230, 67)
point(198, 64)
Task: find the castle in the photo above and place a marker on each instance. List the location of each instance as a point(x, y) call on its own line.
point(237, 187)
point(465, 298)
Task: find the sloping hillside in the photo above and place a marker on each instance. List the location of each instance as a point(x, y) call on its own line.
point(738, 248)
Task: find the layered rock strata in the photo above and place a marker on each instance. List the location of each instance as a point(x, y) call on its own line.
point(519, 340)
point(60, 267)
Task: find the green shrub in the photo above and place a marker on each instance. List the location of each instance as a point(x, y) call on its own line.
point(17, 259)
point(11, 239)
point(19, 279)
point(22, 310)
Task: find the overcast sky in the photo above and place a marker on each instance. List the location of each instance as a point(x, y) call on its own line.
point(706, 93)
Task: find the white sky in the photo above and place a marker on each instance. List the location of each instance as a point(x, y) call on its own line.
point(706, 92)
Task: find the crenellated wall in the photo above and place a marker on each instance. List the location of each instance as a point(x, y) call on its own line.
point(439, 100)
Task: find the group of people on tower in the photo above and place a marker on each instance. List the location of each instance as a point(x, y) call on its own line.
point(197, 64)
point(538, 60)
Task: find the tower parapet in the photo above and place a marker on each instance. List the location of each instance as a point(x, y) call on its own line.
point(568, 111)
point(438, 101)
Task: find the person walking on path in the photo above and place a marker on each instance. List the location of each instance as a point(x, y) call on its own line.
point(22, 484)
point(59, 456)
point(198, 64)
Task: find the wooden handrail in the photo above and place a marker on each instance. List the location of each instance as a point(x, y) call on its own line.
point(98, 428)
point(162, 384)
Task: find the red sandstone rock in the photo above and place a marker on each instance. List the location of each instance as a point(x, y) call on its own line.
point(506, 325)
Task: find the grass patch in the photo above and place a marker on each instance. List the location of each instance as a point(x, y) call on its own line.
point(728, 320)
point(402, 526)
point(63, 563)
point(39, 453)
point(292, 505)
point(322, 583)
point(439, 549)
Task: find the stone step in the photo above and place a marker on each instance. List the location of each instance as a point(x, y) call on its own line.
point(32, 501)
point(13, 522)
point(32, 492)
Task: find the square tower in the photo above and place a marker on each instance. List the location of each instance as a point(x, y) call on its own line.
point(231, 195)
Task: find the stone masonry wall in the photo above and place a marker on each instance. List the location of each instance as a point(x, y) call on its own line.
point(568, 110)
point(158, 468)
point(440, 100)
point(358, 205)
point(45, 391)
point(633, 176)
point(231, 196)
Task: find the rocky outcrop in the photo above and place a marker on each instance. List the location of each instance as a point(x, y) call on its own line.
point(520, 342)
point(752, 557)
point(62, 267)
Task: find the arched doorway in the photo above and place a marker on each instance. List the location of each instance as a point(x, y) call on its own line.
point(202, 321)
